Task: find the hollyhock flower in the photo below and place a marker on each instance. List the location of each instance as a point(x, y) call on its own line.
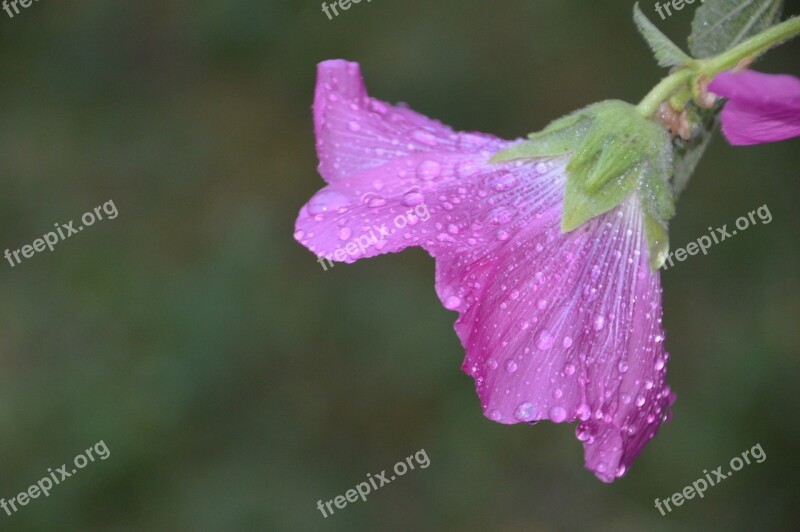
point(760, 107)
point(559, 326)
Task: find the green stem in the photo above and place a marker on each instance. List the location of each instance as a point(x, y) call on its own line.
point(752, 47)
point(710, 67)
point(661, 92)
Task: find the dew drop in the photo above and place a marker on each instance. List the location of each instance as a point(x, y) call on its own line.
point(424, 137)
point(376, 202)
point(558, 414)
point(584, 432)
point(525, 412)
point(599, 322)
point(428, 170)
point(344, 233)
point(452, 302)
point(327, 201)
point(510, 365)
point(412, 198)
point(544, 340)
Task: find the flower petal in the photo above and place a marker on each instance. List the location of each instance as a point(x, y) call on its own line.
point(356, 133)
point(760, 108)
point(568, 327)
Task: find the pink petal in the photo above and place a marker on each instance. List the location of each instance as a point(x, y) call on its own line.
point(760, 108)
point(356, 133)
point(565, 328)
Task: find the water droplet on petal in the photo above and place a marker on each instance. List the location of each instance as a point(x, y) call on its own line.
point(424, 137)
point(558, 414)
point(412, 198)
point(567, 343)
point(525, 412)
point(599, 322)
point(544, 340)
point(376, 202)
point(510, 365)
point(584, 432)
point(353, 126)
point(569, 369)
point(327, 201)
point(344, 233)
point(583, 411)
point(452, 302)
point(495, 415)
point(428, 170)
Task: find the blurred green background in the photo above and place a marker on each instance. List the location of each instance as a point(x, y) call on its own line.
point(236, 383)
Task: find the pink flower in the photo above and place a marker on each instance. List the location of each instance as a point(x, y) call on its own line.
point(760, 108)
point(559, 327)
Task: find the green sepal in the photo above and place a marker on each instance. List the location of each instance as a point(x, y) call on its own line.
point(657, 241)
point(666, 52)
point(613, 151)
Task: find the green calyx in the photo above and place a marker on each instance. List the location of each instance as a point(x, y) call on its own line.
point(614, 151)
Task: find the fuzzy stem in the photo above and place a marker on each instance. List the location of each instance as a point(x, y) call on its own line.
point(708, 68)
point(752, 47)
point(661, 92)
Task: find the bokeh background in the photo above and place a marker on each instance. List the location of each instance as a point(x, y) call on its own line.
point(236, 383)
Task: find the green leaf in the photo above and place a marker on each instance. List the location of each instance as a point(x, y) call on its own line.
point(667, 53)
point(719, 25)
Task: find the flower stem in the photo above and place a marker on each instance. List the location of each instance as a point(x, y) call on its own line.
point(753, 46)
point(708, 68)
point(661, 92)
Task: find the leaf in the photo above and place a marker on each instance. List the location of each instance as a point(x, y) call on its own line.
point(667, 53)
point(719, 25)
